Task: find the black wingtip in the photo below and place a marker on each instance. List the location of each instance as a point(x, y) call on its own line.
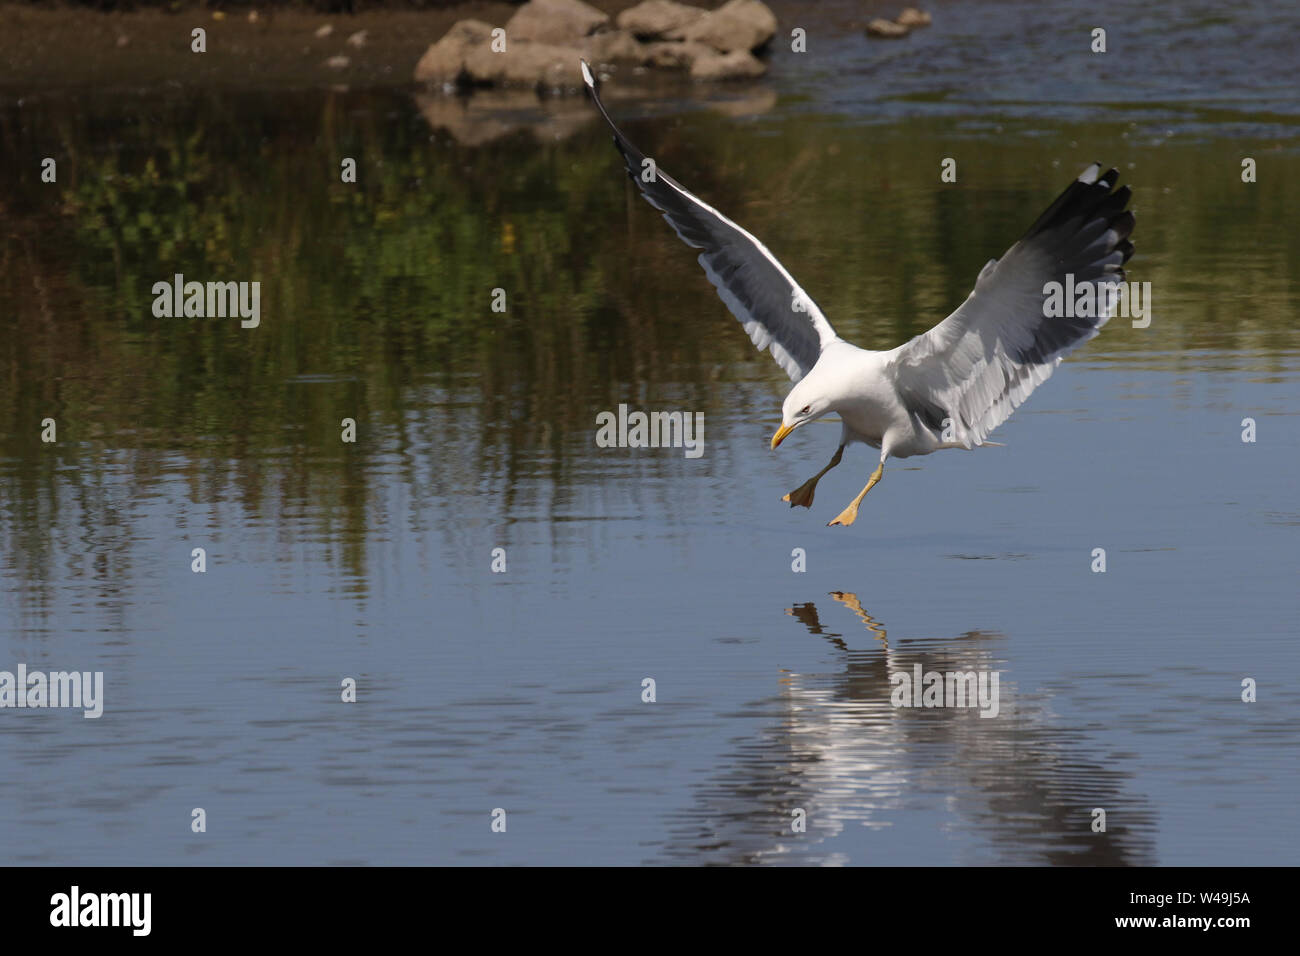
point(1089, 194)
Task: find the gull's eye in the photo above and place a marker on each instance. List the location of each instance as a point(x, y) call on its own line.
point(806, 409)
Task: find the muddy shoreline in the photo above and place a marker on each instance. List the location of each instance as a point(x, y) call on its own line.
point(51, 49)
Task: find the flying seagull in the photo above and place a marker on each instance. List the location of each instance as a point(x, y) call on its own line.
point(946, 388)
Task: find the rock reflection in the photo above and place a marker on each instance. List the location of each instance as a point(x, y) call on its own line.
point(485, 116)
point(489, 115)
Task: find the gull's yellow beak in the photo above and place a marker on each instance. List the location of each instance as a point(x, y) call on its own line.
point(780, 434)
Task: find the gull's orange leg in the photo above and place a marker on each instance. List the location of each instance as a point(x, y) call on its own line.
point(850, 514)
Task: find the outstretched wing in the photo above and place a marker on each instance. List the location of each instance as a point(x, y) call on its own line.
point(977, 366)
point(771, 306)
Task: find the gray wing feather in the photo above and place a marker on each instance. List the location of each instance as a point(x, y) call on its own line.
point(980, 363)
point(772, 308)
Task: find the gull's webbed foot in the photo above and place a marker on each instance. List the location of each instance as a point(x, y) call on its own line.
point(847, 516)
point(803, 495)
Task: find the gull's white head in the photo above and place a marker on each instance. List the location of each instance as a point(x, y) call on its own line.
point(807, 402)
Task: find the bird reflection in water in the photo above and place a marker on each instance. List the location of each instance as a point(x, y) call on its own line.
point(1017, 789)
point(806, 614)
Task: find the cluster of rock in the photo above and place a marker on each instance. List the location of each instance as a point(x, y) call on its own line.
point(540, 46)
point(900, 26)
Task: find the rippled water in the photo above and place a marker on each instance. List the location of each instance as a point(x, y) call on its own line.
point(522, 690)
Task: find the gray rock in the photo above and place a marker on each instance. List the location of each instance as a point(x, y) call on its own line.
point(656, 19)
point(675, 55)
point(887, 29)
point(736, 65)
point(524, 63)
point(554, 21)
point(444, 61)
point(736, 25)
point(613, 46)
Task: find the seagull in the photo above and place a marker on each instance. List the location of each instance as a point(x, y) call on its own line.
point(946, 388)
